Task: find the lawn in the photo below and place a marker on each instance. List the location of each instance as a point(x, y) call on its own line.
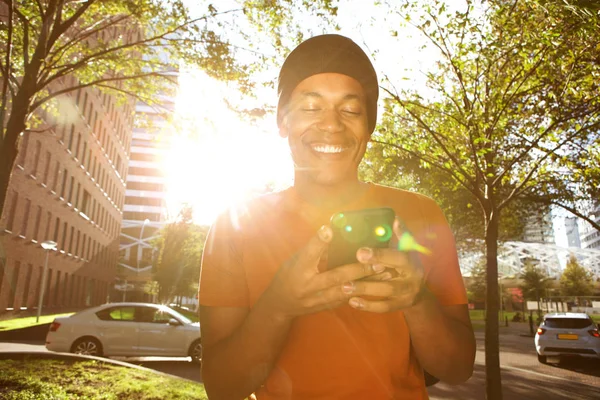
point(25, 322)
point(61, 379)
point(478, 317)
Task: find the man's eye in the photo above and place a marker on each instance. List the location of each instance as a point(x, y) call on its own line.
point(352, 112)
point(311, 109)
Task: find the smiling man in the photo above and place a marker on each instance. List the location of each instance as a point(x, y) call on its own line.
point(275, 321)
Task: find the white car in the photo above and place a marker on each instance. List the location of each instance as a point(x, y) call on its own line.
point(126, 329)
point(567, 334)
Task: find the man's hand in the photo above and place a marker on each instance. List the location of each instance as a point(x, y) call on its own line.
point(400, 287)
point(299, 288)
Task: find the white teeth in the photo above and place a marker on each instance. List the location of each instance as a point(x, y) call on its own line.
point(329, 149)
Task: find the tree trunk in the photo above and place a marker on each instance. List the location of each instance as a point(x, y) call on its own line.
point(492, 343)
point(9, 148)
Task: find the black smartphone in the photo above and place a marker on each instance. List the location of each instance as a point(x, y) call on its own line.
point(355, 229)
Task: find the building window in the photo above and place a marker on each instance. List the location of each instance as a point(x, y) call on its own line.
point(77, 243)
point(83, 153)
point(12, 211)
point(85, 203)
point(38, 218)
point(36, 158)
point(71, 134)
point(63, 189)
point(48, 222)
point(56, 172)
point(27, 282)
point(47, 168)
point(25, 217)
point(77, 147)
point(71, 190)
point(83, 246)
point(48, 287)
point(56, 229)
point(64, 236)
point(77, 195)
point(57, 289)
point(14, 281)
point(71, 240)
point(24, 138)
point(85, 99)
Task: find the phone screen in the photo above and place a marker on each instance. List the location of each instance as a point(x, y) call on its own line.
point(355, 229)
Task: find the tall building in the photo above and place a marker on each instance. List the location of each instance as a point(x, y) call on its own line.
point(539, 228)
point(67, 186)
point(572, 232)
point(590, 236)
point(145, 210)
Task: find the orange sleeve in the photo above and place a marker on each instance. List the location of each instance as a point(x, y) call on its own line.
point(222, 275)
point(444, 278)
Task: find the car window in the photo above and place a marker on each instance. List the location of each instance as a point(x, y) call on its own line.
point(117, 314)
point(153, 315)
point(567, 323)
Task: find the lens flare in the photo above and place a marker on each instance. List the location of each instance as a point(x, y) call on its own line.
point(380, 231)
point(407, 242)
point(339, 220)
point(348, 228)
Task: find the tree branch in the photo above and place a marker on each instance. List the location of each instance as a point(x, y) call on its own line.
point(435, 137)
point(534, 168)
point(449, 171)
point(38, 103)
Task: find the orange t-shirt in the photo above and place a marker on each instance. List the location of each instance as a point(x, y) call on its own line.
point(342, 353)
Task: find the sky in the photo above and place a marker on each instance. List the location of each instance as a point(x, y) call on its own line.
point(232, 159)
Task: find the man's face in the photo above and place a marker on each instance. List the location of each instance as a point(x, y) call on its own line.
point(325, 122)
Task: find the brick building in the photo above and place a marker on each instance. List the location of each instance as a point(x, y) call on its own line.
point(68, 186)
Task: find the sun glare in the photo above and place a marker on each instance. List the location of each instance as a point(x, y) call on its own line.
point(215, 160)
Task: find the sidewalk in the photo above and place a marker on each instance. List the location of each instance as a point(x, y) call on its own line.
point(516, 385)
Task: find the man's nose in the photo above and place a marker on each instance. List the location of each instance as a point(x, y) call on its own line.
point(330, 121)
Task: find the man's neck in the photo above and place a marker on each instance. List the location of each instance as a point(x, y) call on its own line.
point(330, 196)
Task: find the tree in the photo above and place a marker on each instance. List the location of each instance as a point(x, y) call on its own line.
point(180, 246)
point(534, 281)
point(477, 283)
point(575, 280)
point(513, 114)
point(50, 48)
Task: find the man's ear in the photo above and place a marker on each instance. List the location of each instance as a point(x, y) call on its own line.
point(282, 125)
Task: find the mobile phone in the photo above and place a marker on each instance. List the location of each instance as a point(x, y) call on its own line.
point(358, 228)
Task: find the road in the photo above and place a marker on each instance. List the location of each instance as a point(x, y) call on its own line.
point(523, 376)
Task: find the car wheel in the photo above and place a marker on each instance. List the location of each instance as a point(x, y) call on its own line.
point(542, 359)
point(87, 346)
point(196, 351)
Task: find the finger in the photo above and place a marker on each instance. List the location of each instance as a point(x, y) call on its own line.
point(345, 273)
point(363, 288)
point(327, 298)
point(309, 256)
point(376, 306)
point(387, 257)
point(388, 274)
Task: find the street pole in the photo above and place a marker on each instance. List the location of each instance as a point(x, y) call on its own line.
point(47, 246)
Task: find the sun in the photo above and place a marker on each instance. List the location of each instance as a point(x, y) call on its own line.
point(216, 160)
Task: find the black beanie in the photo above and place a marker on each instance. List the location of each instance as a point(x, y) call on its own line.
point(328, 53)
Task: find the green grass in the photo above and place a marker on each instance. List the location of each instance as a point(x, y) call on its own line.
point(478, 317)
point(31, 379)
point(25, 322)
